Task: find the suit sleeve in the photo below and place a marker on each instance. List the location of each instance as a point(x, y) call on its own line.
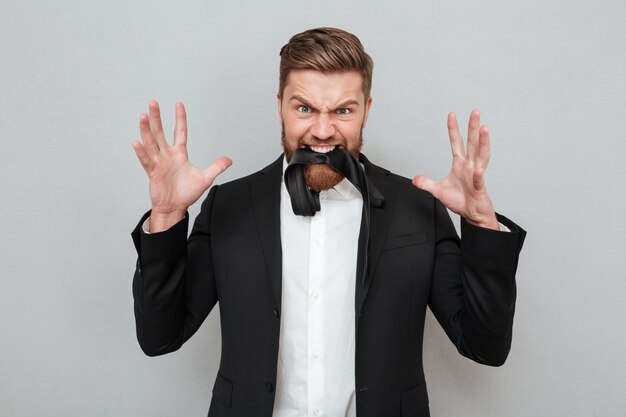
point(173, 287)
point(473, 289)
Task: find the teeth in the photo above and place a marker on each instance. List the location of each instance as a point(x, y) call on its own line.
point(322, 149)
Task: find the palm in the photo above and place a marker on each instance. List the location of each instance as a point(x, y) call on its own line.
point(463, 190)
point(175, 184)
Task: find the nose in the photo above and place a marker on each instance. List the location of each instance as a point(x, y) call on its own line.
point(323, 128)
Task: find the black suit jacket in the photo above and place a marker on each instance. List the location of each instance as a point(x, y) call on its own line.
point(416, 259)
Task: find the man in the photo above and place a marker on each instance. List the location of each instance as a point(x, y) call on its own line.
point(322, 313)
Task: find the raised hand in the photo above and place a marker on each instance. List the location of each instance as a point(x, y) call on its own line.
point(463, 190)
point(175, 184)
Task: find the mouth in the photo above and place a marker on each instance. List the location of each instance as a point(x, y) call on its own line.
point(322, 148)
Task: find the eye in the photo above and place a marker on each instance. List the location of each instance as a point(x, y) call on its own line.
point(343, 111)
point(304, 109)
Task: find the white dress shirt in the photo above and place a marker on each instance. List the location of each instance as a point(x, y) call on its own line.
point(315, 375)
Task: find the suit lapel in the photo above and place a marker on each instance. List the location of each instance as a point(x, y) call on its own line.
point(265, 191)
point(380, 221)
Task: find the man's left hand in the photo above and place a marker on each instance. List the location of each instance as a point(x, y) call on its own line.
point(463, 190)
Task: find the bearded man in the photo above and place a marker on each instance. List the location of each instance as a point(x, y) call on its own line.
point(323, 263)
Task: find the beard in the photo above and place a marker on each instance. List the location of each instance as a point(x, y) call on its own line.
point(320, 177)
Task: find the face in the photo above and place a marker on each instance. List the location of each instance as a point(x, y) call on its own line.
point(322, 111)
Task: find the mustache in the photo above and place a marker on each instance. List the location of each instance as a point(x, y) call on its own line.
point(339, 141)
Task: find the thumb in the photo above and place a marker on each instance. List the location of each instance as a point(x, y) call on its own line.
point(424, 183)
point(216, 168)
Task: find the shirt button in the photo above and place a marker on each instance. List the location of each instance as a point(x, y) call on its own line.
point(316, 242)
point(317, 412)
point(269, 387)
point(276, 313)
point(316, 355)
point(315, 296)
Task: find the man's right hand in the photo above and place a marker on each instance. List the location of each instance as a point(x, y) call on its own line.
point(175, 184)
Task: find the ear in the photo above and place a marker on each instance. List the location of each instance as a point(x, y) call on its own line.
point(367, 110)
point(280, 106)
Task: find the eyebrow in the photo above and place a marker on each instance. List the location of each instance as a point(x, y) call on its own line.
point(342, 105)
point(300, 99)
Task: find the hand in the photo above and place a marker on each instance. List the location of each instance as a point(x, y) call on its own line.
point(175, 184)
point(463, 190)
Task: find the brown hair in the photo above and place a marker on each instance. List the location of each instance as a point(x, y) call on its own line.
point(326, 50)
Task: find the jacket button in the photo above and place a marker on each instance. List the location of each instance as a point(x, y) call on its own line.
point(269, 387)
point(276, 313)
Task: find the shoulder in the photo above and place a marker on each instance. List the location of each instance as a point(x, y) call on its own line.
point(273, 171)
point(411, 209)
point(387, 178)
point(263, 181)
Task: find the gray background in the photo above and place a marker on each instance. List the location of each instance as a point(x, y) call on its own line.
point(547, 75)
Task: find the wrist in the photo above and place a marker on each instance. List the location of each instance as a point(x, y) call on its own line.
point(490, 222)
point(160, 221)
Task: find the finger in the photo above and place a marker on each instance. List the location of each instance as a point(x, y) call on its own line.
point(216, 168)
point(425, 183)
point(143, 157)
point(456, 140)
point(149, 142)
point(156, 127)
point(180, 130)
point(484, 148)
point(472, 134)
point(478, 179)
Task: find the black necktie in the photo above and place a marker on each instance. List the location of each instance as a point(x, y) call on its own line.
point(306, 202)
